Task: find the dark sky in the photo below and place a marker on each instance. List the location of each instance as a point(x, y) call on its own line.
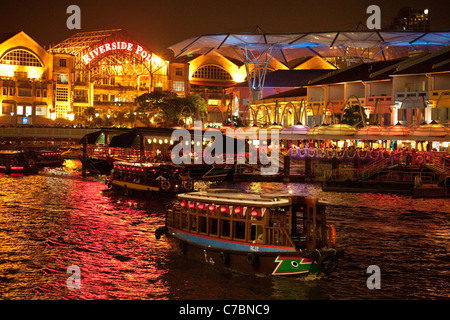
point(159, 24)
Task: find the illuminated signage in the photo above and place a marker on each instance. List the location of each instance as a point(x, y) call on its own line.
point(117, 46)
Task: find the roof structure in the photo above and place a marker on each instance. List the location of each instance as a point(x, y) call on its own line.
point(318, 42)
point(358, 72)
point(82, 41)
point(290, 78)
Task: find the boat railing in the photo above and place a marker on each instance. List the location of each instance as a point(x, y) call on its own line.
point(278, 236)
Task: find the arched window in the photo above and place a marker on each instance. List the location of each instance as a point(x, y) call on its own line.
point(20, 57)
point(212, 72)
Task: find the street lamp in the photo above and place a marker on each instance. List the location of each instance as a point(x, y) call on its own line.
point(12, 115)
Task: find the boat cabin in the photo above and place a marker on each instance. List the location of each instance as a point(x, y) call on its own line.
point(281, 220)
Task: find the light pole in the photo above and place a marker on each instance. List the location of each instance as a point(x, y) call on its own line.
point(12, 118)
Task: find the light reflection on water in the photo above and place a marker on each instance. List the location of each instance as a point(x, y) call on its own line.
point(57, 219)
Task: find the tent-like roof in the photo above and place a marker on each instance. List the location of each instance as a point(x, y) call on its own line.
point(292, 44)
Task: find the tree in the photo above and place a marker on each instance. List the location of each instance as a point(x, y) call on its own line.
point(352, 116)
point(167, 107)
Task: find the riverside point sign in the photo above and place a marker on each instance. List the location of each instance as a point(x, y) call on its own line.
point(116, 46)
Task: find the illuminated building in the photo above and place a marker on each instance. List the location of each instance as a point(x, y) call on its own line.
point(411, 19)
point(35, 84)
point(112, 69)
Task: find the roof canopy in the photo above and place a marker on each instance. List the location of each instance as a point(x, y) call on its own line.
point(293, 43)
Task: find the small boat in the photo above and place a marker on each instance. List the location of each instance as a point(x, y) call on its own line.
point(15, 162)
point(133, 177)
point(47, 158)
point(262, 234)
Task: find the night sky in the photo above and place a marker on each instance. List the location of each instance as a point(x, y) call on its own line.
point(159, 24)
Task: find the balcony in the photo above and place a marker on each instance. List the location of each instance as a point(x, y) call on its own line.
point(384, 101)
point(435, 94)
point(414, 96)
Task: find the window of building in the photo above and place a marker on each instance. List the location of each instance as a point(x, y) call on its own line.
point(7, 108)
point(80, 95)
point(20, 110)
point(212, 72)
point(178, 86)
point(41, 110)
point(62, 78)
point(25, 92)
point(44, 93)
point(63, 62)
point(179, 71)
point(38, 92)
point(62, 94)
point(213, 102)
point(61, 111)
point(5, 91)
point(21, 57)
point(21, 75)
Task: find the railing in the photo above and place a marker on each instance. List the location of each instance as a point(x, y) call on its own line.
point(278, 236)
point(125, 154)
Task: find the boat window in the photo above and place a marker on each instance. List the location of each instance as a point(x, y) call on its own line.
point(193, 223)
point(239, 230)
point(257, 233)
point(202, 224)
point(225, 228)
point(184, 221)
point(213, 229)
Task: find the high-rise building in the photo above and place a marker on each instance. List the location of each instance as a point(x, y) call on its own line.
point(411, 19)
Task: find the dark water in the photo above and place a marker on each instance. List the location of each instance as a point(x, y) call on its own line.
point(57, 219)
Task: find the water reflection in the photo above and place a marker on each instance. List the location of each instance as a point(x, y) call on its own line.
point(57, 219)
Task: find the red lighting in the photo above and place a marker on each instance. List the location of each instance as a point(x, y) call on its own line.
point(255, 213)
point(237, 210)
point(191, 205)
point(223, 209)
point(201, 206)
point(211, 207)
point(183, 204)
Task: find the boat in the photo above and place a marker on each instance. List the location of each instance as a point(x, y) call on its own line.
point(47, 158)
point(17, 162)
point(133, 177)
point(260, 234)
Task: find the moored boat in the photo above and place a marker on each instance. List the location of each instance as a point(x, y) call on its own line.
point(144, 177)
point(15, 162)
point(267, 234)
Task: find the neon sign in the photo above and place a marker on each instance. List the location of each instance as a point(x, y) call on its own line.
point(116, 46)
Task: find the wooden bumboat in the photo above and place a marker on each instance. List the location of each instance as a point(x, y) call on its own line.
point(15, 162)
point(133, 177)
point(263, 234)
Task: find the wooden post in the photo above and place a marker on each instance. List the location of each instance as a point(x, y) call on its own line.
point(308, 166)
point(84, 162)
point(287, 169)
point(311, 225)
point(142, 147)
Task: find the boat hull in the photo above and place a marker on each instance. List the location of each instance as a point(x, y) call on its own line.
point(249, 259)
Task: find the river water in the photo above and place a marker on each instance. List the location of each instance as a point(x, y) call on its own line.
point(58, 219)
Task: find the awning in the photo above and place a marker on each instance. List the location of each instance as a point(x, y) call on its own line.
point(124, 140)
point(91, 137)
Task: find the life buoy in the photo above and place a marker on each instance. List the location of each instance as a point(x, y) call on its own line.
point(419, 159)
point(332, 236)
point(224, 257)
point(252, 258)
point(188, 185)
point(327, 263)
point(165, 185)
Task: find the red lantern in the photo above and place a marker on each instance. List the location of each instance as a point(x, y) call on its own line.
point(201, 206)
point(238, 210)
point(211, 207)
point(223, 209)
point(183, 204)
point(191, 205)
